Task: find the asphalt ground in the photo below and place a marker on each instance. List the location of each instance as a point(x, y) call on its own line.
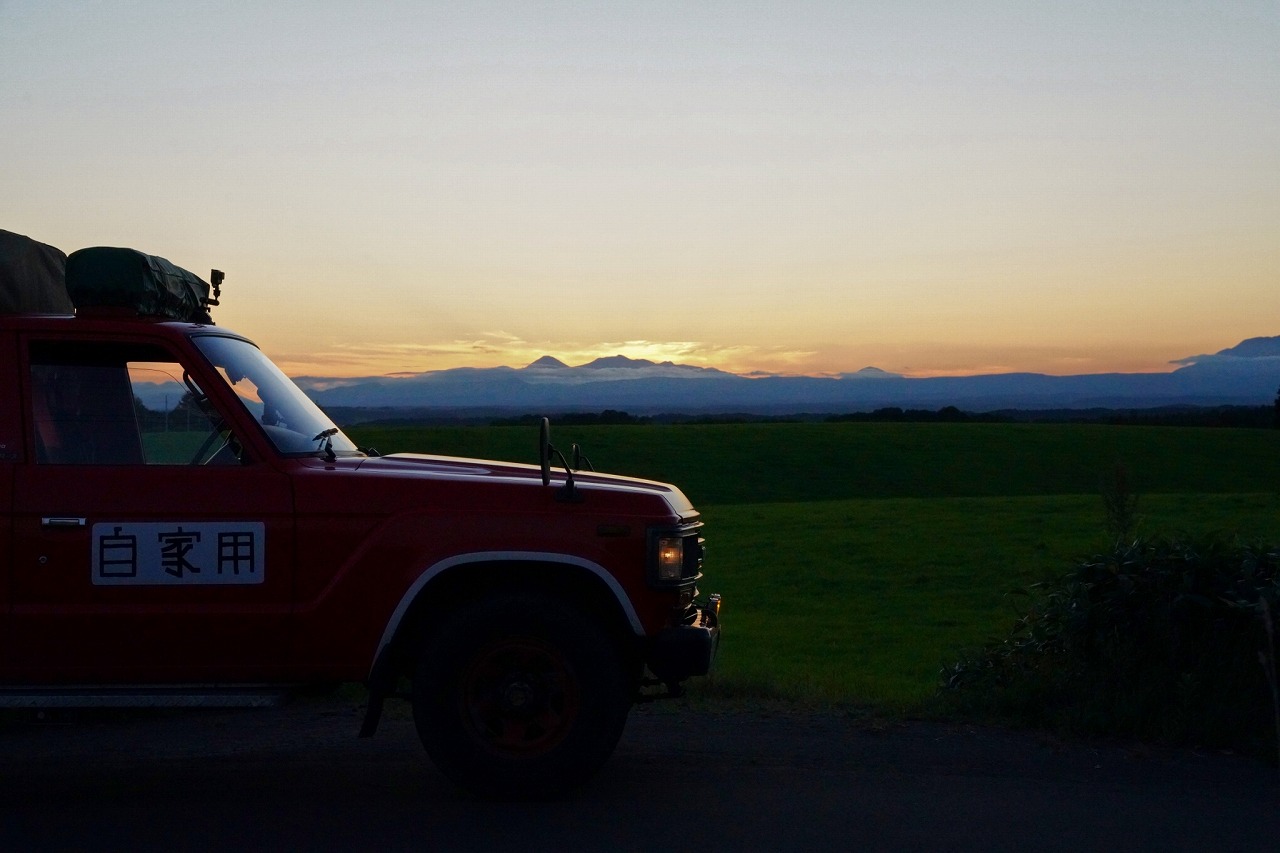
point(683, 778)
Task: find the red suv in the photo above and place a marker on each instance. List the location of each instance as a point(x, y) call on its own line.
point(182, 526)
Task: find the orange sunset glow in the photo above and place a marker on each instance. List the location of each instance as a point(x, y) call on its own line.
point(794, 188)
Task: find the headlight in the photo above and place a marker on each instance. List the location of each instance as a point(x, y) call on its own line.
point(674, 555)
point(670, 558)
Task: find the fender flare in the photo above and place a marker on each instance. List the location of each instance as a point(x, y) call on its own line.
point(439, 568)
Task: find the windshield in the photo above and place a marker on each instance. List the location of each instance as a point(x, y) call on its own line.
point(293, 422)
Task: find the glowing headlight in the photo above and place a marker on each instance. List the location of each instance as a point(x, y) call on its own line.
point(670, 558)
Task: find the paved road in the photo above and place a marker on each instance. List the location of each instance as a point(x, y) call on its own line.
point(682, 779)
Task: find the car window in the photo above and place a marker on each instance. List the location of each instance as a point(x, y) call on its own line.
point(121, 404)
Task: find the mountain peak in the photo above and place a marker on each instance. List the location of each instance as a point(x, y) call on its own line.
point(1262, 347)
point(547, 361)
point(871, 373)
point(1254, 348)
point(618, 361)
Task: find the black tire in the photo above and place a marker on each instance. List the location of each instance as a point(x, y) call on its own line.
point(520, 695)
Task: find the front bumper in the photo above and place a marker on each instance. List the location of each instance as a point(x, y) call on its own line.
point(685, 651)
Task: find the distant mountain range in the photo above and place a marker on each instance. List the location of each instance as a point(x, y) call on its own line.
point(1246, 374)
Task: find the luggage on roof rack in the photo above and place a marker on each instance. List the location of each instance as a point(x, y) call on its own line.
point(106, 277)
point(31, 277)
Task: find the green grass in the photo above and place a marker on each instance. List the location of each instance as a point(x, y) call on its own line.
point(774, 463)
point(863, 601)
point(856, 559)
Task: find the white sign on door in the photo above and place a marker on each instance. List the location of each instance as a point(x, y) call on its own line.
point(178, 553)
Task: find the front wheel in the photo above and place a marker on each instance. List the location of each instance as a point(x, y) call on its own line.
point(520, 695)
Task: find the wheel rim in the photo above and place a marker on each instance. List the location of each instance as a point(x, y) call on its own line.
point(520, 697)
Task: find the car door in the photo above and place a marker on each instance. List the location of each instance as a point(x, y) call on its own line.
point(6, 524)
point(11, 444)
point(150, 546)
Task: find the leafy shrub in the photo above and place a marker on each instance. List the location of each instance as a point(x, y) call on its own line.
point(1157, 639)
point(1120, 504)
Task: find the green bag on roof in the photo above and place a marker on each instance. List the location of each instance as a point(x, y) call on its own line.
point(106, 277)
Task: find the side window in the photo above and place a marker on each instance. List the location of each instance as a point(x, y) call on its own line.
point(176, 422)
point(121, 404)
point(83, 414)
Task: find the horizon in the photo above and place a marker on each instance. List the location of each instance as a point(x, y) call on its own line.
point(1270, 342)
point(1245, 374)
point(364, 361)
point(802, 188)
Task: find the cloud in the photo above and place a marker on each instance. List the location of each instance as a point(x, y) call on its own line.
point(399, 358)
point(501, 348)
point(691, 353)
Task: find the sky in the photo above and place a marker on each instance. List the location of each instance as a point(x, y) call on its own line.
point(931, 188)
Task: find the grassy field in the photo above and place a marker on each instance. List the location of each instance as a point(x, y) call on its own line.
point(855, 559)
point(777, 463)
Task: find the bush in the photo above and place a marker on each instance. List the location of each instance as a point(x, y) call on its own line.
point(1156, 639)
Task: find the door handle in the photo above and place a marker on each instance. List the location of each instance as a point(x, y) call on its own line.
point(58, 521)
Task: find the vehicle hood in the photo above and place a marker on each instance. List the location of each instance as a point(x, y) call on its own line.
point(459, 469)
